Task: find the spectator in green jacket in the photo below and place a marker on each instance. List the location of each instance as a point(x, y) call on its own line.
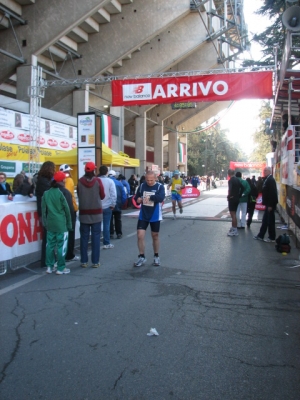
point(241, 212)
point(57, 221)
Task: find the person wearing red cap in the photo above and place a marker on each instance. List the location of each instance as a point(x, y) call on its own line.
point(57, 221)
point(90, 192)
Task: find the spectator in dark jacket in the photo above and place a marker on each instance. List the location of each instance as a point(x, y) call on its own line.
point(22, 185)
point(5, 188)
point(43, 183)
point(116, 222)
point(270, 200)
point(133, 183)
point(90, 192)
point(251, 201)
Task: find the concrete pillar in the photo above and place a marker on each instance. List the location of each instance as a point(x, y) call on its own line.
point(119, 112)
point(80, 101)
point(173, 150)
point(158, 146)
point(140, 142)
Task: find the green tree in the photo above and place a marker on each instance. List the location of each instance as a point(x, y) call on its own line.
point(273, 36)
point(210, 151)
point(260, 138)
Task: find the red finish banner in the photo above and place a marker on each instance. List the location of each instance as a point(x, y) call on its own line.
point(201, 88)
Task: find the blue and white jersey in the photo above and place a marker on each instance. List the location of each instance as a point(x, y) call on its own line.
point(151, 208)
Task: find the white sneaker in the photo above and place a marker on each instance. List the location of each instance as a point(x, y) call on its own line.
point(108, 246)
point(156, 262)
point(141, 261)
point(49, 270)
point(232, 233)
point(174, 216)
point(64, 271)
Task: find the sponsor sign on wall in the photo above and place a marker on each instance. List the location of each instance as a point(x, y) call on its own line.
point(293, 204)
point(199, 88)
point(287, 165)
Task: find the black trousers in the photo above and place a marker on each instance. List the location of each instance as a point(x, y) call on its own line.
point(250, 211)
point(116, 223)
point(268, 224)
point(71, 240)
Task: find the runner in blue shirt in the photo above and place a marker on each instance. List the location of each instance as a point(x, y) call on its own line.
point(150, 195)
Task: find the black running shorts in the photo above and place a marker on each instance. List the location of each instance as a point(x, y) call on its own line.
point(144, 225)
point(233, 205)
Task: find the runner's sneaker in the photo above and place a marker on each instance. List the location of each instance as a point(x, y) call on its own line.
point(49, 270)
point(181, 210)
point(268, 240)
point(108, 246)
point(156, 262)
point(258, 238)
point(141, 261)
point(233, 233)
point(64, 271)
point(174, 216)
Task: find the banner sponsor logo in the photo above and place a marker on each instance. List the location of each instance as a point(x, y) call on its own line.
point(142, 91)
point(190, 192)
point(218, 87)
point(246, 165)
point(86, 121)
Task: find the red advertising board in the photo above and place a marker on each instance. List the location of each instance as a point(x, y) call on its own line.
point(189, 192)
point(198, 88)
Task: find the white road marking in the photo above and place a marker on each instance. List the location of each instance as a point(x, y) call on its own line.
point(16, 285)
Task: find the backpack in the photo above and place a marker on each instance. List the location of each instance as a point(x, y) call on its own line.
point(283, 244)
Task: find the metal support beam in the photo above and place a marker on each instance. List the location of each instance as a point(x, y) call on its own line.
point(8, 12)
point(107, 79)
point(6, 53)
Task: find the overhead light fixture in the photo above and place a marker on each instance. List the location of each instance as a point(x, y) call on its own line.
point(105, 106)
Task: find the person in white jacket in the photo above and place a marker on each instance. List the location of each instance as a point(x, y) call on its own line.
point(108, 204)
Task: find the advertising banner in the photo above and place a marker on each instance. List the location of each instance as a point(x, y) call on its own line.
point(190, 192)
point(85, 155)
point(20, 229)
point(14, 129)
point(15, 152)
point(288, 174)
point(86, 130)
point(198, 88)
point(293, 204)
point(247, 165)
point(259, 205)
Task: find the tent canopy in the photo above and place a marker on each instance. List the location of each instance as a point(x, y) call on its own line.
point(109, 157)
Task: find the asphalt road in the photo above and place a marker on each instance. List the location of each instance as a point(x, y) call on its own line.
point(226, 310)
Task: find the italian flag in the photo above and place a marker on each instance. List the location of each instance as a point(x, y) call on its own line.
point(106, 130)
point(182, 152)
